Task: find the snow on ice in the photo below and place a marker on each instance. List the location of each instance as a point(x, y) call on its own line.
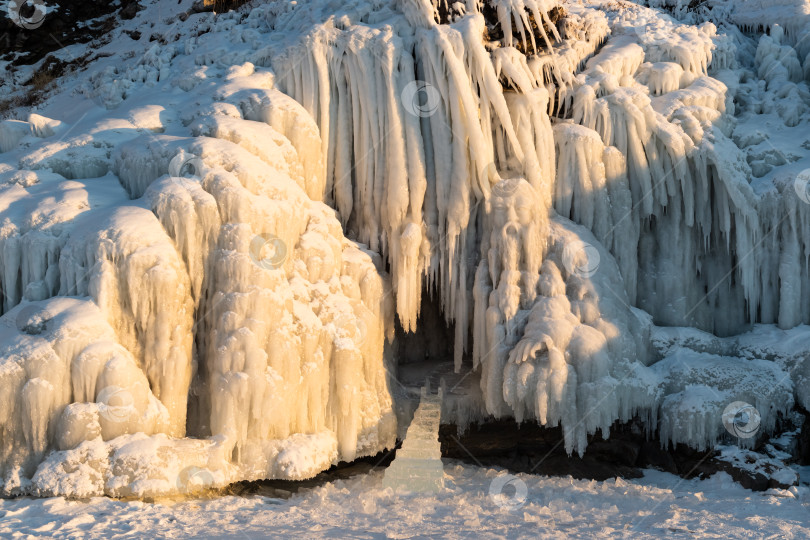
point(206, 246)
point(657, 505)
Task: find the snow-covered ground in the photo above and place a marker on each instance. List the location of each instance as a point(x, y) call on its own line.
point(472, 506)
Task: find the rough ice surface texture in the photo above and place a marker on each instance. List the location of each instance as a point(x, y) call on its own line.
point(650, 506)
point(207, 247)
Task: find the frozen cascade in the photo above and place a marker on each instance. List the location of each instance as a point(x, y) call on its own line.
point(719, 212)
point(655, 165)
point(414, 194)
point(417, 466)
point(681, 169)
point(554, 344)
point(184, 303)
point(233, 285)
point(44, 345)
point(137, 279)
point(691, 407)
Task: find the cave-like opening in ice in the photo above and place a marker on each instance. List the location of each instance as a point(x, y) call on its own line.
point(423, 346)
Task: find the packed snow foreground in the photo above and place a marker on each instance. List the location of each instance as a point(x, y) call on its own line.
point(206, 246)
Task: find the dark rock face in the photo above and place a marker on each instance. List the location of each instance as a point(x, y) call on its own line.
point(496, 33)
point(216, 6)
point(804, 442)
point(71, 22)
point(531, 448)
point(410, 347)
point(284, 489)
point(534, 449)
point(29, 35)
point(445, 11)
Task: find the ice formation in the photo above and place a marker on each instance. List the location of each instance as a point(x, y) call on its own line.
point(418, 463)
point(201, 277)
point(228, 256)
point(691, 407)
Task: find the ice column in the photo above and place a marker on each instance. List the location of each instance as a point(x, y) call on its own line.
point(418, 465)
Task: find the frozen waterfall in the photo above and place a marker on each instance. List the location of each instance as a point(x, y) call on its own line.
point(204, 277)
